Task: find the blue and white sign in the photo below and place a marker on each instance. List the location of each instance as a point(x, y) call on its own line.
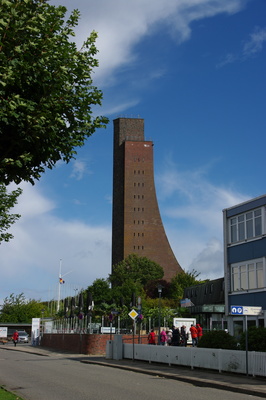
point(236, 310)
point(245, 310)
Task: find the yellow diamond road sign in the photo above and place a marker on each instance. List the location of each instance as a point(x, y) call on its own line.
point(133, 314)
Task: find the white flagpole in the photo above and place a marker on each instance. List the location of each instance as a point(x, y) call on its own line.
point(59, 283)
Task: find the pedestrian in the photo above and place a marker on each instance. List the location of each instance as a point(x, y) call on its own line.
point(151, 337)
point(194, 335)
point(176, 337)
point(163, 338)
point(184, 336)
point(169, 334)
point(15, 338)
point(199, 331)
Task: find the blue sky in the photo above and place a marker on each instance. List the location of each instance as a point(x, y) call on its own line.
point(195, 71)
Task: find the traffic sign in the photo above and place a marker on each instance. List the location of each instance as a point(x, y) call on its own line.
point(245, 310)
point(133, 314)
point(236, 310)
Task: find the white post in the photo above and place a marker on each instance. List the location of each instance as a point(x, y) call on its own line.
point(59, 278)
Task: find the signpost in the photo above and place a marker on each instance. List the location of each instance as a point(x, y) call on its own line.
point(133, 314)
point(245, 311)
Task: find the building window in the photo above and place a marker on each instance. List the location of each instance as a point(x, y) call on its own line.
point(247, 275)
point(246, 226)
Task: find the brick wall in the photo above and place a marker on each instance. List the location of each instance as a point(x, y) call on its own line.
point(94, 344)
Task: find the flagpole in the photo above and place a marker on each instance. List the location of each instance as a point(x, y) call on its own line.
point(59, 283)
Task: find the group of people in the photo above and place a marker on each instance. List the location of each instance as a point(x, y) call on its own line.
point(176, 336)
point(196, 334)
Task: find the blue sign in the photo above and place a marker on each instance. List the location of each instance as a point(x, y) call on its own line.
point(237, 310)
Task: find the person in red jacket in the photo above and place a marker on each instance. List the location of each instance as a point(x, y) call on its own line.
point(194, 335)
point(15, 338)
point(199, 330)
point(151, 337)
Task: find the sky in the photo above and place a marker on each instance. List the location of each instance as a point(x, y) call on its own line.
point(194, 70)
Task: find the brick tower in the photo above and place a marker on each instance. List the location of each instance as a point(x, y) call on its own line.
point(137, 225)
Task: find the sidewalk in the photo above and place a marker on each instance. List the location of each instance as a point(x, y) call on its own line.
point(253, 386)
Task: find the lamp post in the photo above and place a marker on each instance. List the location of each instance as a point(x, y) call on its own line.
point(160, 288)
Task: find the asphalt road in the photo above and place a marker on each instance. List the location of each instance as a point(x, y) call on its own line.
point(64, 377)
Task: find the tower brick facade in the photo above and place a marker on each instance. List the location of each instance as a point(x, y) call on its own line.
point(137, 226)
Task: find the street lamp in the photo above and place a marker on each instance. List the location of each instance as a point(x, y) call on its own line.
point(160, 288)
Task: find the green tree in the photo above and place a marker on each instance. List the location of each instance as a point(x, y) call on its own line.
point(100, 291)
point(46, 91)
point(16, 309)
point(7, 201)
point(182, 281)
point(139, 269)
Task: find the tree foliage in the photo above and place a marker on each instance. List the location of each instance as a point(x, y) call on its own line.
point(16, 309)
point(46, 91)
point(138, 269)
point(100, 291)
point(181, 281)
point(7, 201)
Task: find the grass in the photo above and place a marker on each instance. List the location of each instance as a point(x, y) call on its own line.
point(5, 395)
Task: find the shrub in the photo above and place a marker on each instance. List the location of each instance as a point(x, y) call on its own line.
point(256, 339)
point(218, 340)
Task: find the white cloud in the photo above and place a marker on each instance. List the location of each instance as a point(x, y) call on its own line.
point(195, 206)
point(30, 262)
point(122, 24)
point(250, 48)
point(79, 169)
point(255, 44)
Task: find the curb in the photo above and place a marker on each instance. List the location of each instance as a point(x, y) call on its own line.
point(192, 380)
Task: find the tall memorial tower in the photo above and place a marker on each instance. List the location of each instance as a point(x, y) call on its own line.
point(136, 222)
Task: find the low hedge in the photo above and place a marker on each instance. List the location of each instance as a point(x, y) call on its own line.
point(218, 340)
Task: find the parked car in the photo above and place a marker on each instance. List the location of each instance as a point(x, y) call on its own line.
point(23, 337)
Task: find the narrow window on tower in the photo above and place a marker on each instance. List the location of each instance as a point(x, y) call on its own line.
point(143, 172)
point(142, 222)
point(142, 184)
point(143, 196)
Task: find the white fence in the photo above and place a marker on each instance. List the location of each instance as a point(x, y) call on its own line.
point(217, 359)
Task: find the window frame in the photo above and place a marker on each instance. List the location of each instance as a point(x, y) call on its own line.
point(240, 225)
point(244, 274)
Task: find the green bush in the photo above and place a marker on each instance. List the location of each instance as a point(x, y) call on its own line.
point(218, 340)
point(256, 339)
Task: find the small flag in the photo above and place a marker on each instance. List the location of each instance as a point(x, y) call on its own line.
point(61, 280)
